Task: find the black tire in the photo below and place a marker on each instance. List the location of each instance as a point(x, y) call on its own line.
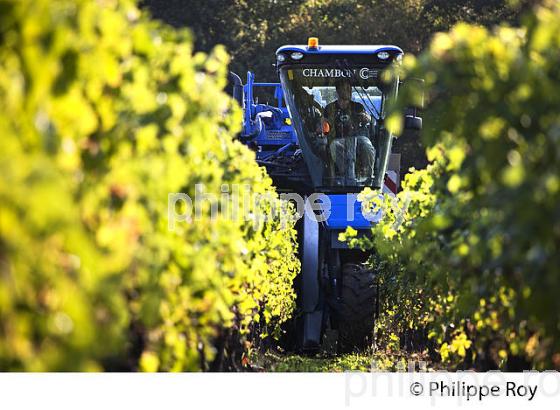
point(356, 308)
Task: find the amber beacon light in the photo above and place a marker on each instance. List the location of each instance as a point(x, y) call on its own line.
point(313, 43)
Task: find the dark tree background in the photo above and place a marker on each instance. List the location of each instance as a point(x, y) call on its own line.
point(253, 30)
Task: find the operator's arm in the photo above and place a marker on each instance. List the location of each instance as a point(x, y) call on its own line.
point(361, 115)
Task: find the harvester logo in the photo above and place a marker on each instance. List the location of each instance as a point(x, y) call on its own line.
point(364, 73)
point(328, 72)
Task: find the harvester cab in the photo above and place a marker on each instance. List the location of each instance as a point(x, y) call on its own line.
point(337, 98)
point(325, 133)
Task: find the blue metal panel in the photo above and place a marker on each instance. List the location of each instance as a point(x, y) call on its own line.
point(310, 261)
point(272, 130)
point(345, 210)
point(313, 315)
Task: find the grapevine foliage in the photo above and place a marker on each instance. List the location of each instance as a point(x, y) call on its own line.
point(469, 249)
point(104, 113)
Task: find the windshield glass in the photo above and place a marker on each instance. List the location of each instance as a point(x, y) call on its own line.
point(336, 113)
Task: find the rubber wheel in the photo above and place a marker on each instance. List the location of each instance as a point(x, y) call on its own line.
point(356, 308)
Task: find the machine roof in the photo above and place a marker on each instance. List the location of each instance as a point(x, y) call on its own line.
point(333, 49)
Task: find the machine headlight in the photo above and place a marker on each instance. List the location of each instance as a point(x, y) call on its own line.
point(383, 55)
point(281, 58)
point(296, 55)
